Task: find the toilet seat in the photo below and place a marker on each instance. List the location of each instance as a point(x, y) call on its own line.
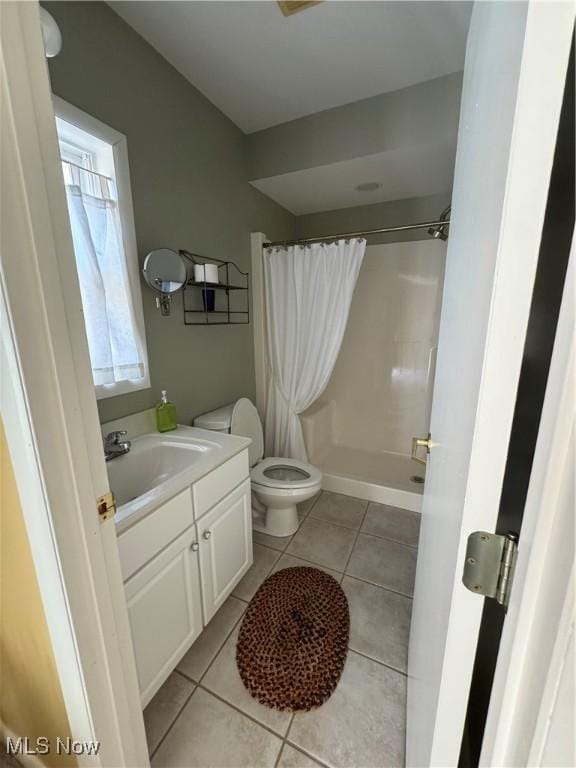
point(269, 473)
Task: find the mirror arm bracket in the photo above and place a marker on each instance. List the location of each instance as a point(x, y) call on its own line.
point(164, 304)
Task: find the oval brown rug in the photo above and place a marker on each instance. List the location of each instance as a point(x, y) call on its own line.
point(293, 640)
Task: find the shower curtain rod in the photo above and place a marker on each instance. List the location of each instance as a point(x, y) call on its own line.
point(365, 233)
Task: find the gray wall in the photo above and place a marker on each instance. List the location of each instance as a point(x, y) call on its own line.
point(190, 188)
point(394, 213)
point(422, 114)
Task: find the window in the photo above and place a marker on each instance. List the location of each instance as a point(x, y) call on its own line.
point(95, 167)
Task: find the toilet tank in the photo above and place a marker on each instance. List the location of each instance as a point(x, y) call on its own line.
point(218, 420)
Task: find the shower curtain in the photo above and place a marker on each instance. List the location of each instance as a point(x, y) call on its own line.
point(308, 295)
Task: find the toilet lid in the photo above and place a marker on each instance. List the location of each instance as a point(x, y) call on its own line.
point(276, 472)
point(246, 422)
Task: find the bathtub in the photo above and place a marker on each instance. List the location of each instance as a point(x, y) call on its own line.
point(374, 475)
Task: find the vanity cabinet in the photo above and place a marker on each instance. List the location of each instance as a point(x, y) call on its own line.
point(225, 536)
point(165, 611)
point(180, 563)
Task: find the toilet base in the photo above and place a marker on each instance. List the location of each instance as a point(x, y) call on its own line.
point(276, 522)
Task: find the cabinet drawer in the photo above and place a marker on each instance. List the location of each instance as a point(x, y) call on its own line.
point(144, 540)
point(218, 483)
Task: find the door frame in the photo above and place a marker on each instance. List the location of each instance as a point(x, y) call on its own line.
point(53, 428)
point(541, 614)
point(498, 235)
point(52, 424)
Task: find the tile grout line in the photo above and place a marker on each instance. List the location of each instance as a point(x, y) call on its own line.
point(207, 690)
point(355, 540)
point(392, 541)
point(313, 562)
point(368, 533)
point(157, 747)
point(186, 677)
point(219, 651)
point(277, 552)
point(196, 683)
point(285, 547)
point(241, 599)
point(342, 573)
point(284, 741)
point(279, 755)
point(241, 712)
point(305, 752)
point(290, 724)
point(379, 586)
point(316, 499)
point(199, 684)
point(331, 522)
point(261, 544)
point(377, 661)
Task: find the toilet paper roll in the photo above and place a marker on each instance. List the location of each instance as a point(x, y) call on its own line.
point(206, 273)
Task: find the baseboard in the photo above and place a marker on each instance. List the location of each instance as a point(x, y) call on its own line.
point(27, 761)
point(372, 492)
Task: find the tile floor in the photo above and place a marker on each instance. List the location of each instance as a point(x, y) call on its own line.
point(203, 716)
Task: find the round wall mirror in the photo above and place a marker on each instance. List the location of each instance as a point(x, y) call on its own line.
point(164, 270)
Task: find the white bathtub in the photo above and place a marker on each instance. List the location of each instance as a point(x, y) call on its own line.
point(381, 476)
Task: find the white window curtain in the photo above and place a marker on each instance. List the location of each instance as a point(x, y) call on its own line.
point(116, 351)
point(308, 295)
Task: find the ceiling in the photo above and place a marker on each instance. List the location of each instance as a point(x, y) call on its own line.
point(262, 68)
point(406, 172)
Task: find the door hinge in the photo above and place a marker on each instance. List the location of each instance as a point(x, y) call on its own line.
point(489, 565)
point(106, 506)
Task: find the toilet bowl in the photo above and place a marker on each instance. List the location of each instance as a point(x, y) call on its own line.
point(278, 484)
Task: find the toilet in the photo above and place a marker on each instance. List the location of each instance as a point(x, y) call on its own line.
point(278, 484)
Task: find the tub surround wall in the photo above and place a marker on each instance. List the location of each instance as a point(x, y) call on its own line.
point(190, 189)
point(378, 397)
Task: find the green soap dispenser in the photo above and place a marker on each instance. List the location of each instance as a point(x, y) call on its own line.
point(165, 414)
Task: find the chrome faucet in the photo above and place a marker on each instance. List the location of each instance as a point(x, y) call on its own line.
point(113, 447)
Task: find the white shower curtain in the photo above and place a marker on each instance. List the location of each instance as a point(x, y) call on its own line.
point(308, 295)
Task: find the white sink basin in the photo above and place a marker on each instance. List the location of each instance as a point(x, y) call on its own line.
point(160, 465)
point(151, 461)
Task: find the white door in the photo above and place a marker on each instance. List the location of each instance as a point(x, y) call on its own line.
point(165, 611)
point(225, 538)
point(53, 427)
point(514, 77)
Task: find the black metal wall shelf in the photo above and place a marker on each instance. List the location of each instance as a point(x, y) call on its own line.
point(226, 302)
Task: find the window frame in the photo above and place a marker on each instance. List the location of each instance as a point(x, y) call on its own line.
point(85, 122)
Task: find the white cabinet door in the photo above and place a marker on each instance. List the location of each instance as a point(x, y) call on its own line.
point(225, 537)
point(165, 611)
